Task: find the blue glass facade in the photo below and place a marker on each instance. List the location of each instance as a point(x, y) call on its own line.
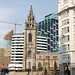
point(49, 28)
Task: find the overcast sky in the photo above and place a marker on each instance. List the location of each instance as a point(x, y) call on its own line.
point(17, 11)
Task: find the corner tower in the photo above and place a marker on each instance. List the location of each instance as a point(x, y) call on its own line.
point(29, 55)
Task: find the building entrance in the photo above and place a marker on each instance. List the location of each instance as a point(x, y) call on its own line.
point(67, 71)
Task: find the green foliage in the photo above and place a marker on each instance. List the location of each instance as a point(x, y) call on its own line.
point(34, 67)
point(40, 68)
point(28, 70)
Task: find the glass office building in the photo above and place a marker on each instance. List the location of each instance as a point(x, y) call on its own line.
point(49, 28)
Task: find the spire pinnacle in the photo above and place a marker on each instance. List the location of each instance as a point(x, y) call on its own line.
point(31, 7)
point(31, 4)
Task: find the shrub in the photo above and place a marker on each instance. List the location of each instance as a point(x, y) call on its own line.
point(40, 68)
point(34, 68)
point(28, 70)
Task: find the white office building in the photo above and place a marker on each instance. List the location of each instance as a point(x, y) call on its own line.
point(41, 44)
point(66, 12)
point(17, 52)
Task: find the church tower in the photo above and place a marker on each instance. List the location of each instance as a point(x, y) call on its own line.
point(29, 55)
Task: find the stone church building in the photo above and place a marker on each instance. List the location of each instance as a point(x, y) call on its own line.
point(30, 57)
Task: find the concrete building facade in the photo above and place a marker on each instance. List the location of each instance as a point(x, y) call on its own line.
point(66, 12)
point(5, 58)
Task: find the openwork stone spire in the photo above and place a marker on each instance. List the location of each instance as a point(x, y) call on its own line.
point(30, 23)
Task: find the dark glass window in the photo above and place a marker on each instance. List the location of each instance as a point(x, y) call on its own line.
point(54, 46)
point(39, 22)
point(51, 31)
point(51, 37)
point(30, 37)
point(29, 53)
point(48, 34)
point(48, 26)
point(45, 21)
point(48, 41)
point(56, 32)
point(39, 27)
point(57, 38)
point(56, 26)
point(51, 49)
point(45, 27)
point(54, 39)
point(27, 25)
point(42, 22)
point(32, 26)
point(48, 47)
point(51, 43)
point(68, 38)
point(38, 33)
point(36, 28)
point(54, 21)
point(51, 24)
point(42, 32)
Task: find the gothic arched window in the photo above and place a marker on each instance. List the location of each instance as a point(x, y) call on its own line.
point(29, 65)
point(29, 53)
point(39, 64)
point(30, 37)
point(27, 25)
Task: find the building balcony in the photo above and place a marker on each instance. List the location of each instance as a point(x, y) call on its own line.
point(15, 65)
point(18, 38)
point(41, 45)
point(17, 55)
point(17, 49)
point(16, 58)
point(17, 52)
point(17, 41)
point(41, 42)
point(16, 61)
point(17, 46)
point(42, 51)
point(15, 68)
point(41, 37)
point(41, 48)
